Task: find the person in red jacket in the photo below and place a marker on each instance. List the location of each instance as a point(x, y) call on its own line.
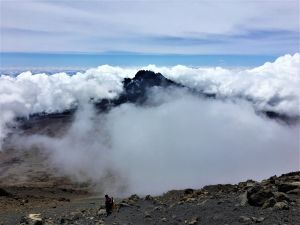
point(109, 201)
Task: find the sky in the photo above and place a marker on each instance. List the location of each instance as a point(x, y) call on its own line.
point(251, 27)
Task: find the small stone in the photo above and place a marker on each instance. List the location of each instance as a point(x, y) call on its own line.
point(194, 221)
point(63, 199)
point(24, 201)
point(190, 200)
point(147, 215)
point(123, 204)
point(202, 203)
point(258, 220)
point(244, 219)
point(281, 206)
point(100, 223)
point(75, 215)
point(35, 219)
point(164, 219)
point(157, 208)
point(101, 212)
point(217, 217)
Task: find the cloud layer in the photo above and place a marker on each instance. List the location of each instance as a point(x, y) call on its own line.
point(272, 86)
point(182, 141)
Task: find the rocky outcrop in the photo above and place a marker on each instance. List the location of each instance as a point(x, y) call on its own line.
point(274, 192)
point(4, 193)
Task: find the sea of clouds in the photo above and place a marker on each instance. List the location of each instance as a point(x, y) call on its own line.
point(180, 141)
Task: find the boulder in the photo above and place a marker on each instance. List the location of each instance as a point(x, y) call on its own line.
point(257, 196)
point(269, 203)
point(188, 191)
point(280, 196)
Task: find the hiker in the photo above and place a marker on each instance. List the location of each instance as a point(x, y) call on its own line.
point(109, 204)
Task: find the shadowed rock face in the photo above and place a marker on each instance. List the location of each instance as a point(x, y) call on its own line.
point(135, 90)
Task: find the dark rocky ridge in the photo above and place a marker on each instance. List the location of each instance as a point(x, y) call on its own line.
point(136, 89)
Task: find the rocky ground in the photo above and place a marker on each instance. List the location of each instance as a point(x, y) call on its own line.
point(272, 201)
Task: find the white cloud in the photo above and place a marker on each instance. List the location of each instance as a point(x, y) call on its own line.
point(191, 142)
point(93, 26)
point(272, 86)
point(183, 141)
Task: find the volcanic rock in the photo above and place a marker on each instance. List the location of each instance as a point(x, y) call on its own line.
point(285, 187)
point(35, 219)
point(280, 196)
point(134, 197)
point(244, 219)
point(257, 196)
point(281, 205)
point(258, 220)
point(269, 203)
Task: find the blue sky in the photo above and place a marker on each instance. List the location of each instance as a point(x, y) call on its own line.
point(257, 27)
point(53, 62)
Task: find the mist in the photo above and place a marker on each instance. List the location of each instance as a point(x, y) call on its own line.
point(176, 140)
